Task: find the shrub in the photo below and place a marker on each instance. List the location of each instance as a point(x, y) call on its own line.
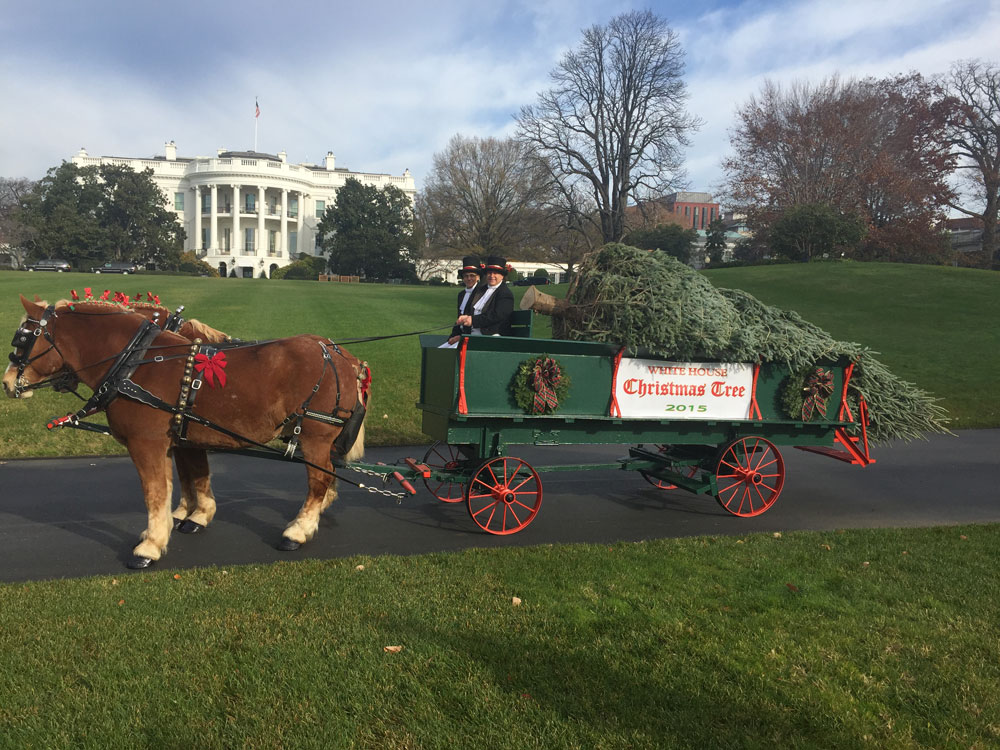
point(190, 263)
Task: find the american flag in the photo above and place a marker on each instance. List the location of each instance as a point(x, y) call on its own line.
point(257, 105)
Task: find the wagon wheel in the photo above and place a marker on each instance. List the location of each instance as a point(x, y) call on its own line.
point(445, 456)
point(749, 476)
point(504, 495)
point(662, 484)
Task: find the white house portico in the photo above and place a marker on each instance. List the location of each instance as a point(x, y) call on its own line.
point(248, 213)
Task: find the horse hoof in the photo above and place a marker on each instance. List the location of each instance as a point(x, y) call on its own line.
point(138, 563)
point(190, 527)
point(288, 545)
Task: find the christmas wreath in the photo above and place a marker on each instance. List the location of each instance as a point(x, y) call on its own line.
point(806, 394)
point(540, 385)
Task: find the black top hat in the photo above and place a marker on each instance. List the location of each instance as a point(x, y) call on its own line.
point(470, 263)
point(496, 263)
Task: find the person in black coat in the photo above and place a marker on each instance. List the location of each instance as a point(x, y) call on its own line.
point(492, 302)
point(469, 274)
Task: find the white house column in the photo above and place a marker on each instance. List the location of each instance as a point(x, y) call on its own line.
point(197, 220)
point(261, 245)
point(213, 240)
point(284, 221)
point(237, 239)
point(298, 225)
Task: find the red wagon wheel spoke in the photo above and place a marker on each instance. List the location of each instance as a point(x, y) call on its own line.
point(445, 456)
point(743, 487)
point(504, 495)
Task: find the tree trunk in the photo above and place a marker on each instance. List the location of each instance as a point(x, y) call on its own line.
point(544, 303)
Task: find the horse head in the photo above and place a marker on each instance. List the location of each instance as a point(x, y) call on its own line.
point(36, 359)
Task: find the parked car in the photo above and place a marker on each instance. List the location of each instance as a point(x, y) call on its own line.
point(532, 281)
point(49, 264)
point(116, 267)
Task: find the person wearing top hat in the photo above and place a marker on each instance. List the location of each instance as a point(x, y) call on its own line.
point(492, 301)
point(469, 274)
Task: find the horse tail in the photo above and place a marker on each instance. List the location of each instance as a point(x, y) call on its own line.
point(364, 381)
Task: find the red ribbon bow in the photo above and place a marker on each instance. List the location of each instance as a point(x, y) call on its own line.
point(212, 368)
point(543, 381)
point(819, 386)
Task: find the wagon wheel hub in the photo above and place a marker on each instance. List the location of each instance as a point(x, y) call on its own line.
point(503, 495)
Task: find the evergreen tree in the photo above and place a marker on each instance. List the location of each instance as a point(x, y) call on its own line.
point(672, 239)
point(807, 231)
point(368, 232)
point(88, 215)
point(715, 241)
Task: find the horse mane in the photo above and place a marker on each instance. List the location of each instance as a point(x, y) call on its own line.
point(190, 329)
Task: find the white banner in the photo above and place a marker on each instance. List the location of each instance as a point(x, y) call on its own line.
point(683, 390)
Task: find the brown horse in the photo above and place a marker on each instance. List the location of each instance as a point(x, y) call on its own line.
point(303, 387)
point(193, 473)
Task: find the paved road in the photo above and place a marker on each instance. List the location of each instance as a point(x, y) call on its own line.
point(77, 517)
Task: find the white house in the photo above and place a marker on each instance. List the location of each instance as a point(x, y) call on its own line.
point(248, 213)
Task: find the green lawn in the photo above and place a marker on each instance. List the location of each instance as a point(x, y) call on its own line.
point(881, 639)
point(251, 309)
point(860, 639)
point(933, 326)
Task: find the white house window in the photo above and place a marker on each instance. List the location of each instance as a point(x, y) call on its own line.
point(248, 234)
point(320, 209)
point(206, 203)
point(272, 242)
point(293, 242)
point(251, 203)
point(205, 233)
point(178, 201)
point(293, 207)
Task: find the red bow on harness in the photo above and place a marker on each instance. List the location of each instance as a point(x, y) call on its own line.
point(212, 368)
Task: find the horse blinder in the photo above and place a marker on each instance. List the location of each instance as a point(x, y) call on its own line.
point(24, 339)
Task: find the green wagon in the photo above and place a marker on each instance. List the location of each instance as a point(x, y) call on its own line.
point(708, 428)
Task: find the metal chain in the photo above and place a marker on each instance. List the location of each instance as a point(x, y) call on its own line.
point(384, 477)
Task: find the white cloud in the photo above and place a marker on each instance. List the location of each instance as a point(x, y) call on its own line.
point(731, 53)
point(384, 85)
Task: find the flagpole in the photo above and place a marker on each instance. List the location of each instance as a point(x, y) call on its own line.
point(256, 117)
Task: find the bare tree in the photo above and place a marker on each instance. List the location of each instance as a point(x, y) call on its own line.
point(868, 148)
point(615, 119)
point(14, 233)
point(974, 135)
point(483, 193)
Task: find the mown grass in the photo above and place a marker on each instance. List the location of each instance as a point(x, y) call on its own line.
point(251, 309)
point(934, 326)
point(885, 639)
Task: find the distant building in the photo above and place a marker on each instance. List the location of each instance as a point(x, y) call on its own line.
point(447, 269)
point(695, 210)
point(248, 213)
point(686, 209)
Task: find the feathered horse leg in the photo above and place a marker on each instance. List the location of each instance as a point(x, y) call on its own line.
point(322, 492)
point(152, 462)
point(196, 507)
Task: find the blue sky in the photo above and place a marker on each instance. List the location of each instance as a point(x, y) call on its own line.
point(384, 84)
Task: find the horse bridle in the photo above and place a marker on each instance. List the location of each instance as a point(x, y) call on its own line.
point(24, 342)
